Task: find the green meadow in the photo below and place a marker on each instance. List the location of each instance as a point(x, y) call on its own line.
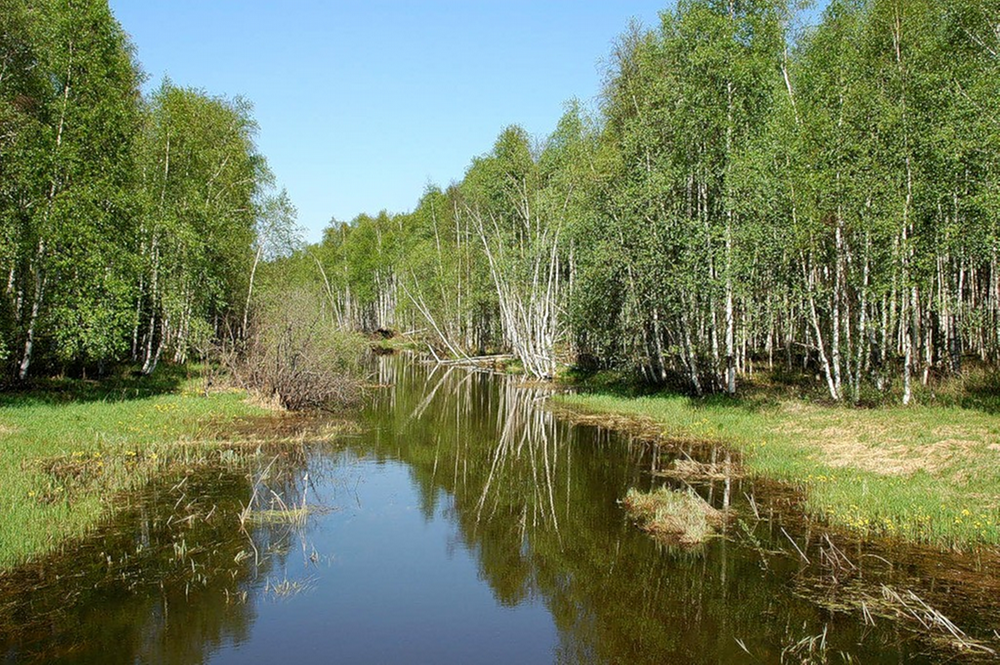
point(72, 452)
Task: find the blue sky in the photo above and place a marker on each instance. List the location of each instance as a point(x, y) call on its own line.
point(362, 104)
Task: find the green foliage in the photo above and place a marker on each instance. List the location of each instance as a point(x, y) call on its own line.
point(125, 224)
point(201, 186)
point(73, 105)
point(752, 192)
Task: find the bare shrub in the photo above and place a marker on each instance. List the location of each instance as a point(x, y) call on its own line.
point(295, 355)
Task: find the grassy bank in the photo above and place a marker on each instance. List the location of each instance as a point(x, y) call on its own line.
point(69, 450)
point(926, 473)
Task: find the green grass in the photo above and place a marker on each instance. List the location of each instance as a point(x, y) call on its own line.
point(69, 450)
point(927, 474)
point(397, 343)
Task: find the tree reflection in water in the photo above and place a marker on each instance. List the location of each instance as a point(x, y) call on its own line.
point(536, 499)
point(171, 580)
point(531, 502)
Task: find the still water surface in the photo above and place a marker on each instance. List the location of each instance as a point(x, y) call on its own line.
point(464, 523)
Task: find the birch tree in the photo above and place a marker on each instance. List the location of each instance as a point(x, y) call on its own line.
point(72, 104)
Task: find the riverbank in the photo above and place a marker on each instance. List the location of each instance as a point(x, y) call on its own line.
point(926, 474)
point(71, 450)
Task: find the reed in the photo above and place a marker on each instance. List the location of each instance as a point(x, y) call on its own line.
point(673, 515)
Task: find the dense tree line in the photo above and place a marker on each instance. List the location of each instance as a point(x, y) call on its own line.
point(752, 193)
point(129, 226)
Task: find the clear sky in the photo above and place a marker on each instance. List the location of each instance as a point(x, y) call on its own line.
point(361, 104)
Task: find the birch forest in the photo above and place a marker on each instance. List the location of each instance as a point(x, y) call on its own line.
point(760, 188)
point(130, 225)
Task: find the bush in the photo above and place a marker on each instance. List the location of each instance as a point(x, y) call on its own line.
point(294, 354)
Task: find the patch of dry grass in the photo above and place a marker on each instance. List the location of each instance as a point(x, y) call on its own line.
point(673, 515)
point(894, 442)
point(690, 469)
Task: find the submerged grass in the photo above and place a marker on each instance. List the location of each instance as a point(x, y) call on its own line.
point(293, 516)
point(924, 474)
point(69, 449)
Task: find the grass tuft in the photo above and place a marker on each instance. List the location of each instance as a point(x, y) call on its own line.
point(673, 515)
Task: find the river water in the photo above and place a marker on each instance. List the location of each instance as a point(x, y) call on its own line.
point(465, 523)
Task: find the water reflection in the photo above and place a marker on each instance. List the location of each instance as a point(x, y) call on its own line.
point(165, 585)
point(465, 523)
point(536, 499)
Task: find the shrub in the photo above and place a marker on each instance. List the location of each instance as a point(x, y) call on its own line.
point(292, 353)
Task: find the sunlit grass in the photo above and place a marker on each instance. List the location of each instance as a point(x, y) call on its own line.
point(673, 515)
point(68, 451)
point(927, 474)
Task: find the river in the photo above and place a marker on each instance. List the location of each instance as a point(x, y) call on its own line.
point(464, 522)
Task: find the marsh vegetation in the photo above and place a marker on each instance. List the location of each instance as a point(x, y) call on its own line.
point(460, 486)
point(927, 474)
point(671, 514)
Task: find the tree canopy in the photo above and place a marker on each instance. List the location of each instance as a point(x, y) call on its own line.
point(751, 193)
point(128, 223)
